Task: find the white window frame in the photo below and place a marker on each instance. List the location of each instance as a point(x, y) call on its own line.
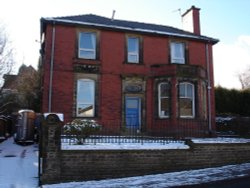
point(178, 59)
point(78, 103)
point(133, 53)
point(192, 98)
point(93, 50)
point(159, 100)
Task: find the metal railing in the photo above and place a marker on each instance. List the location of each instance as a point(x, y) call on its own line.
point(162, 133)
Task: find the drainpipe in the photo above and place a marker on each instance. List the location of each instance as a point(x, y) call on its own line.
point(51, 66)
point(209, 91)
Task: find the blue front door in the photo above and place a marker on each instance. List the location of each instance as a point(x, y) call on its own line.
point(133, 112)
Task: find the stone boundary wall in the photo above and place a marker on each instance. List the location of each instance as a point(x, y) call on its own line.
point(78, 165)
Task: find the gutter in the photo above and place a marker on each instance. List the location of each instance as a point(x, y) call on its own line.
point(51, 67)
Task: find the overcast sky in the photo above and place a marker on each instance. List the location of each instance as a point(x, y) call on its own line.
point(226, 20)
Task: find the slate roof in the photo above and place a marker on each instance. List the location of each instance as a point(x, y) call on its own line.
point(103, 22)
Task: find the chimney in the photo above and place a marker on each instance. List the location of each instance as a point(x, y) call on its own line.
point(191, 20)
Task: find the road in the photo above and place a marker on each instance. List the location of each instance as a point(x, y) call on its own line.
point(241, 182)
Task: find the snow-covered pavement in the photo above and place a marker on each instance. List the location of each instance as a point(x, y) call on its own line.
point(18, 165)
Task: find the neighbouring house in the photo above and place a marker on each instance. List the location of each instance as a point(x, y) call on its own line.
point(13, 81)
point(153, 78)
point(19, 90)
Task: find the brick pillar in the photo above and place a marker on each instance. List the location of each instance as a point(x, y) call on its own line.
point(50, 147)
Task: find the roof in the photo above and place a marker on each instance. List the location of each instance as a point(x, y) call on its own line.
point(103, 22)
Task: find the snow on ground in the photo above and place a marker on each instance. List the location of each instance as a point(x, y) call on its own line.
point(19, 169)
point(221, 140)
point(18, 165)
point(127, 146)
point(148, 145)
point(165, 180)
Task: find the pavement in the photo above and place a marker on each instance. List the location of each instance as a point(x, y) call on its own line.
point(18, 165)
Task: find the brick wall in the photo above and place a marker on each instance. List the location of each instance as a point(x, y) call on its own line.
point(69, 165)
point(89, 165)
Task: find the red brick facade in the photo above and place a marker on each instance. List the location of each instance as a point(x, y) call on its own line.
point(116, 80)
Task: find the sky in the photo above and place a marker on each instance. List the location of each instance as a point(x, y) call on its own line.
point(226, 20)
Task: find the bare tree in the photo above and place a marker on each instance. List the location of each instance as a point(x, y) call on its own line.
point(6, 54)
point(244, 79)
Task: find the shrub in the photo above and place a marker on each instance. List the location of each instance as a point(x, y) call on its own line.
point(81, 129)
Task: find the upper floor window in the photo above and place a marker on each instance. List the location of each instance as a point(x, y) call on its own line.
point(133, 49)
point(186, 100)
point(178, 52)
point(87, 45)
point(163, 100)
point(85, 105)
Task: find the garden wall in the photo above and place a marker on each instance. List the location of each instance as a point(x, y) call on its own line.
point(77, 165)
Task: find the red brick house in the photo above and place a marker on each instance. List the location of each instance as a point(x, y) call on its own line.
point(154, 78)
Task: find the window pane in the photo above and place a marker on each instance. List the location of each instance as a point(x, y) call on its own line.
point(164, 110)
point(133, 58)
point(87, 54)
point(87, 45)
point(177, 53)
point(164, 90)
point(190, 91)
point(186, 100)
point(182, 90)
point(85, 110)
point(178, 50)
point(86, 92)
point(132, 103)
point(164, 103)
point(85, 97)
point(87, 40)
point(133, 50)
point(186, 107)
point(133, 45)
